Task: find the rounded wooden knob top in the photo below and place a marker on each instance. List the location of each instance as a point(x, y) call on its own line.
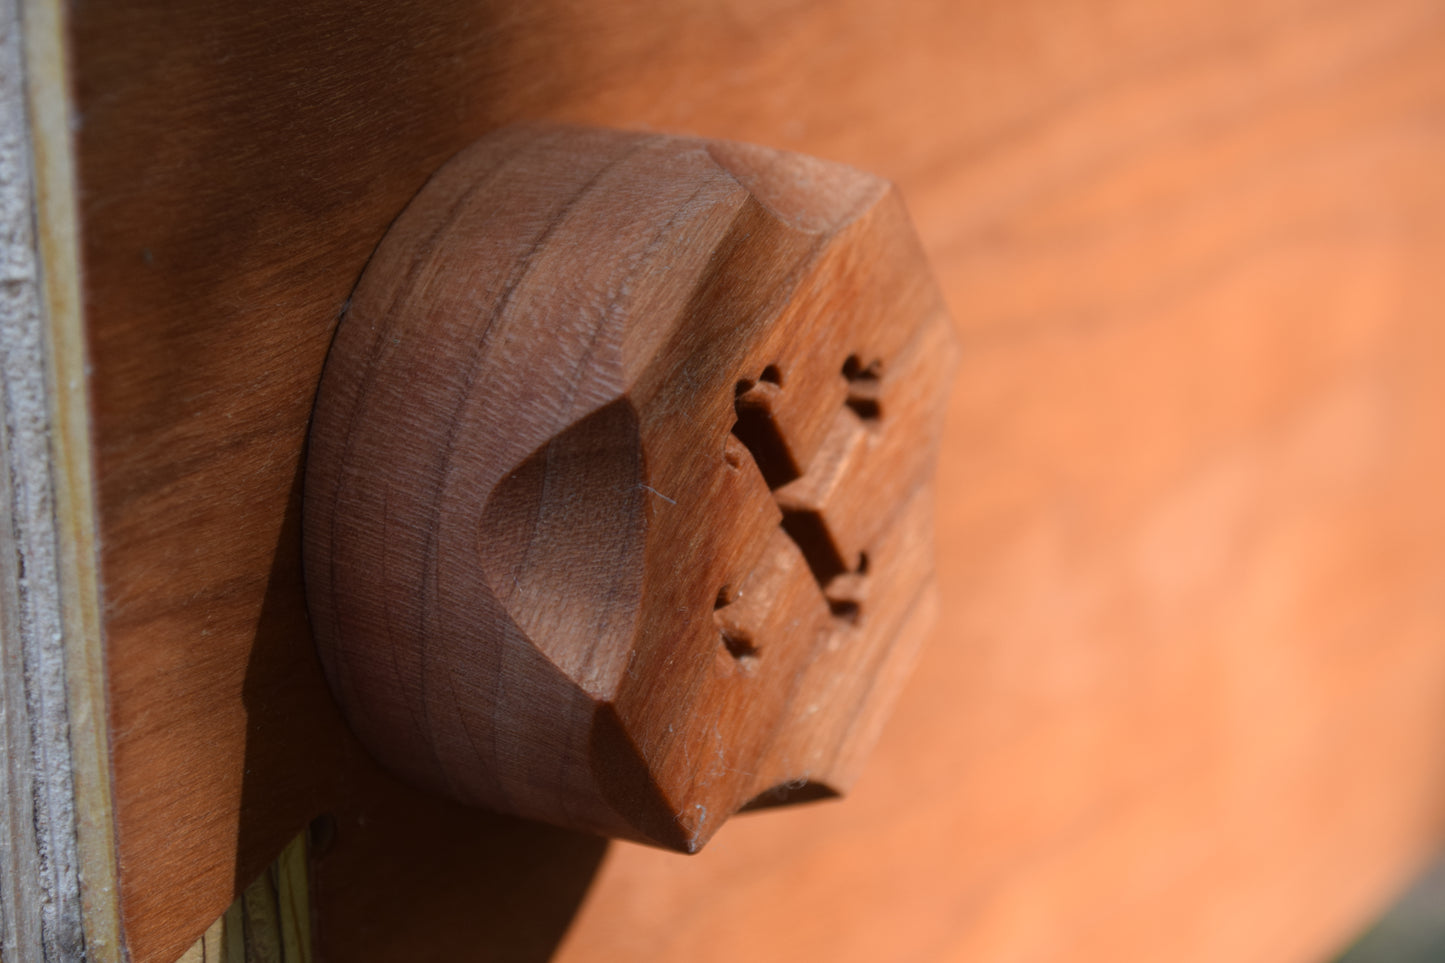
point(617, 507)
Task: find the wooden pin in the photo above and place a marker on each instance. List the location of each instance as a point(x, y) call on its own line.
point(617, 506)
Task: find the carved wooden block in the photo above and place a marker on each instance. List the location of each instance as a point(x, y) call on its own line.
point(617, 506)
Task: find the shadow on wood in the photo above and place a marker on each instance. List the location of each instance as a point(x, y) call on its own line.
point(516, 884)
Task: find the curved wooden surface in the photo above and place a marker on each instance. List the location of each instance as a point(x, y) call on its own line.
point(606, 522)
point(1187, 696)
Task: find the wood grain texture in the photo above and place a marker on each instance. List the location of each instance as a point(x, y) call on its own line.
point(1187, 695)
point(606, 522)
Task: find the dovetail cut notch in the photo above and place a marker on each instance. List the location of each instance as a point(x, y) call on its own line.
point(617, 506)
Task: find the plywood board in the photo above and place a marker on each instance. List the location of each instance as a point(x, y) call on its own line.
point(1187, 695)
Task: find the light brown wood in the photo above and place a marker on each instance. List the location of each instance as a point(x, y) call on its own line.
point(270, 922)
point(1185, 699)
point(606, 522)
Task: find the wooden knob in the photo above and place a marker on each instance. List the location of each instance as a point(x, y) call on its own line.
point(617, 507)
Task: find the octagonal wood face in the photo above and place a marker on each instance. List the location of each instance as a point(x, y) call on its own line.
point(618, 508)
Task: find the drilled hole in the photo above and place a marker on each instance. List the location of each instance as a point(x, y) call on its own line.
point(758, 430)
point(865, 407)
point(810, 533)
point(845, 609)
point(726, 595)
point(740, 646)
point(863, 387)
point(772, 375)
point(855, 370)
point(862, 563)
point(321, 835)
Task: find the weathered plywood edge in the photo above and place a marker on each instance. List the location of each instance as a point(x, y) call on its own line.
point(58, 232)
point(39, 904)
point(57, 861)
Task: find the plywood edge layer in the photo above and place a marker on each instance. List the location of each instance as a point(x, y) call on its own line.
point(57, 863)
